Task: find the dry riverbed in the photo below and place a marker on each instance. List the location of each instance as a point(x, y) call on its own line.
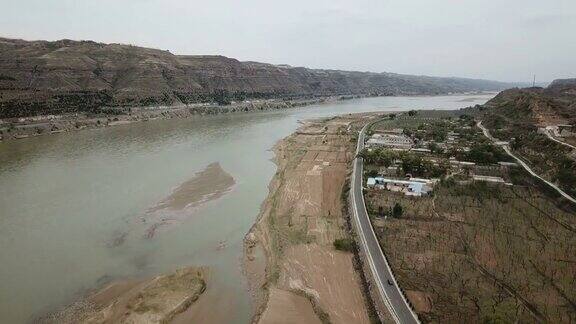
point(155, 300)
point(295, 272)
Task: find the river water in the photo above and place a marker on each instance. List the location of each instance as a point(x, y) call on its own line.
point(65, 198)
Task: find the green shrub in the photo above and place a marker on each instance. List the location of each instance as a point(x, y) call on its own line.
point(344, 244)
point(372, 173)
point(397, 211)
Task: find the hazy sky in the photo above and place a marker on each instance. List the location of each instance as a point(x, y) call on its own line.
point(505, 40)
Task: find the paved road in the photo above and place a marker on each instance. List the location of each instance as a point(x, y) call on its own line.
point(391, 295)
point(547, 133)
point(507, 149)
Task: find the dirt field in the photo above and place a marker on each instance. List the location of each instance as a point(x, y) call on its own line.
point(478, 253)
point(295, 309)
point(297, 227)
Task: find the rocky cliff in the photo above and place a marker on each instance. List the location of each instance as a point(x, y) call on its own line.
point(41, 77)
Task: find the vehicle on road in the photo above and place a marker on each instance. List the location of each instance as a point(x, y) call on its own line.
point(391, 295)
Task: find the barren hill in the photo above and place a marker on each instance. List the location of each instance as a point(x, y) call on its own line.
point(555, 104)
point(519, 116)
point(42, 77)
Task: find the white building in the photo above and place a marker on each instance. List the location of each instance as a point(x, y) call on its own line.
point(409, 188)
point(391, 140)
point(488, 179)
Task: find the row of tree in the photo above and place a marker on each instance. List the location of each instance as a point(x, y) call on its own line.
point(411, 163)
point(396, 211)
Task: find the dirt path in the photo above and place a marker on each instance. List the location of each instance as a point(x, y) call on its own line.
point(305, 280)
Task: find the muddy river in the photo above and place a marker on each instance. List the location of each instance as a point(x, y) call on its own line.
point(80, 209)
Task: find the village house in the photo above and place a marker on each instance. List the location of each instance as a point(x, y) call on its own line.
point(490, 179)
point(507, 164)
point(408, 187)
point(420, 150)
point(396, 141)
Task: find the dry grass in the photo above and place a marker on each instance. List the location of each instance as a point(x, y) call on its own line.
point(484, 253)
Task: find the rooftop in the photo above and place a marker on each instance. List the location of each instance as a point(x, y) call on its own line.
point(414, 187)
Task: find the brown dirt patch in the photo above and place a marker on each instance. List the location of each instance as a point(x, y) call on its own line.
point(309, 267)
point(420, 300)
point(300, 221)
point(208, 184)
point(285, 307)
point(156, 300)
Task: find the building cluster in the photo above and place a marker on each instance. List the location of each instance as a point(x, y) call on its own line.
point(457, 138)
point(412, 187)
point(391, 140)
point(397, 140)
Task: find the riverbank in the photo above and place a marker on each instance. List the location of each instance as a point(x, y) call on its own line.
point(295, 273)
point(88, 188)
point(20, 128)
point(27, 127)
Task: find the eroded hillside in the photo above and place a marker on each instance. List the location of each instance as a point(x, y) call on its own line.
point(42, 77)
point(524, 116)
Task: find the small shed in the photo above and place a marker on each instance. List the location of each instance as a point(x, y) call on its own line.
point(371, 182)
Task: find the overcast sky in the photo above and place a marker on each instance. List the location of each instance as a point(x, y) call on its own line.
point(508, 40)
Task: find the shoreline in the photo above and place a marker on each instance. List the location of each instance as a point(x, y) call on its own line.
point(34, 126)
point(301, 266)
point(154, 295)
point(29, 127)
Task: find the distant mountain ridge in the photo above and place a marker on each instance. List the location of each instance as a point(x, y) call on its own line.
point(42, 77)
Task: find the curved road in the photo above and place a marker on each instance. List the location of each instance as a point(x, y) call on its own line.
point(390, 293)
point(509, 152)
point(547, 133)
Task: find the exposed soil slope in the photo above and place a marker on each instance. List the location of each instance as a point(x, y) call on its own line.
point(42, 77)
point(515, 115)
point(555, 104)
